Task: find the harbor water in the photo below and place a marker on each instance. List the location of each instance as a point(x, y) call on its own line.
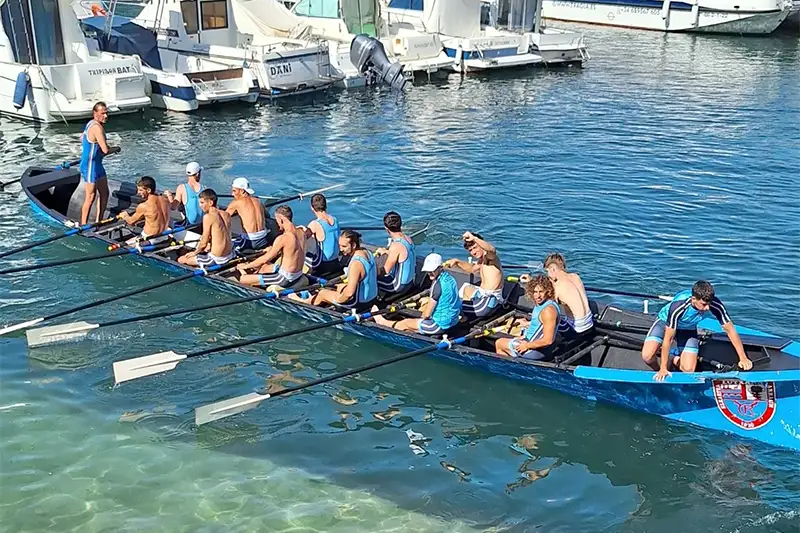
point(667, 159)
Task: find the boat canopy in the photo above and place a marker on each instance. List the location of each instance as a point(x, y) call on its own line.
point(126, 38)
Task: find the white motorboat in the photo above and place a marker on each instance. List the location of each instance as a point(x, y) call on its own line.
point(49, 74)
point(177, 82)
point(224, 31)
point(711, 16)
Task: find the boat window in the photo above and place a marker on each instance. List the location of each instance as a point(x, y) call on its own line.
point(360, 16)
point(318, 8)
point(189, 14)
point(214, 14)
point(17, 25)
point(47, 32)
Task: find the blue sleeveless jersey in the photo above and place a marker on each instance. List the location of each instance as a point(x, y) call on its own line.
point(405, 271)
point(448, 303)
point(681, 314)
point(330, 245)
point(193, 212)
point(91, 157)
point(368, 286)
point(535, 330)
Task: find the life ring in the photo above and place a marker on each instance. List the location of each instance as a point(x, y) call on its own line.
point(97, 10)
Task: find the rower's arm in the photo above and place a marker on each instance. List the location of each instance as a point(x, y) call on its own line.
point(427, 310)
point(205, 239)
point(733, 335)
point(549, 319)
point(469, 268)
point(232, 208)
point(392, 257)
point(486, 246)
point(354, 275)
point(433, 297)
point(315, 229)
point(100, 137)
point(135, 217)
point(269, 255)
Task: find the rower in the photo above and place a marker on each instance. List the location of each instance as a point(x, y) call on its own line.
point(154, 209)
point(398, 272)
point(480, 301)
point(215, 246)
point(93, 174)
point(678, 321)
point(251, 213)
point(441, 311)
point(361, 288)
point(576, 316)
point(539, 338)
point(324, 257)
point(289, 246)
point(186, 194)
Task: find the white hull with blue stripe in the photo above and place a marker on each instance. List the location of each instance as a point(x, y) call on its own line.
point(755, 17)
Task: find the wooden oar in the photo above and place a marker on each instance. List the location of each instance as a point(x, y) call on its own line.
point(147, 365)
point(118, 253)
point(596, 289)
point(300, 196)
point(77, 330)
point(530, 266)
point(73, 231)
point(215, 411)
point(195, 273)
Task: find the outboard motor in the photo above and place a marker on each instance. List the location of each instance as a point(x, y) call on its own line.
point(368, 54)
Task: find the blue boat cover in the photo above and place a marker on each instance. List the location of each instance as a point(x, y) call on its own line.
point(407, 4)
point(127, 38)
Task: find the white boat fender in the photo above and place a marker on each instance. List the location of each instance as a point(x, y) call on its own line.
point(21, 89)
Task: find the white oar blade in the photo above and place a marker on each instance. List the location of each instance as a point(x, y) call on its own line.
point(215, 411)
point(21, 325)
point(61, 333)
point(147, 365)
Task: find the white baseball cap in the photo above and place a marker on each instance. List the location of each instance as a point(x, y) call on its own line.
point(242, 183)
point(193, 168)
point(432, 262)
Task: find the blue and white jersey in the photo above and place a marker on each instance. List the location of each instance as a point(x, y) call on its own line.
point(681, 314)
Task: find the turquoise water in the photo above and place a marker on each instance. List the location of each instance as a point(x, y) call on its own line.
point(667, 159)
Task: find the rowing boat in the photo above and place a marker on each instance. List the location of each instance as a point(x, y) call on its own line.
point(605, 366)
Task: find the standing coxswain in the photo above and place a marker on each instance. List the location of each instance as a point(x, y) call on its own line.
point(94, 147)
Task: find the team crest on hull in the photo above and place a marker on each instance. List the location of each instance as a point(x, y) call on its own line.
point(748, 405)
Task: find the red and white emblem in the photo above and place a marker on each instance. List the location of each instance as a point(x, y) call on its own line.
point(748, 405)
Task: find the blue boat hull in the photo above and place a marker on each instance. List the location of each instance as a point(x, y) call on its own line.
point(761, 405)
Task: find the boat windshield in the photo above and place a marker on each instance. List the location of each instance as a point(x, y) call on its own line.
point(360, 16)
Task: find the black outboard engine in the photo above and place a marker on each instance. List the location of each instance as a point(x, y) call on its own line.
point(368, 54)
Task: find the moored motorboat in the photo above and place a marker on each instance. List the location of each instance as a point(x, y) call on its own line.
point(606, 365)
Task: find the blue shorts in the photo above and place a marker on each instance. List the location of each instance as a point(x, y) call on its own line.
point(94, 172)
point(389, 284)
point(534, 355)
point(686, 339)
point(479, 306)
point(429, 327)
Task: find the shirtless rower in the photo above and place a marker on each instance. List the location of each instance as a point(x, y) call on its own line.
point(576, 316)
point(324, 258)
point(154, 209)
point(480, 301)
point(215, 246)
point(251, 213)
point(398, 272)
point(361, 288)
point(540, 336)
point(186, 195)
point(289, 246)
